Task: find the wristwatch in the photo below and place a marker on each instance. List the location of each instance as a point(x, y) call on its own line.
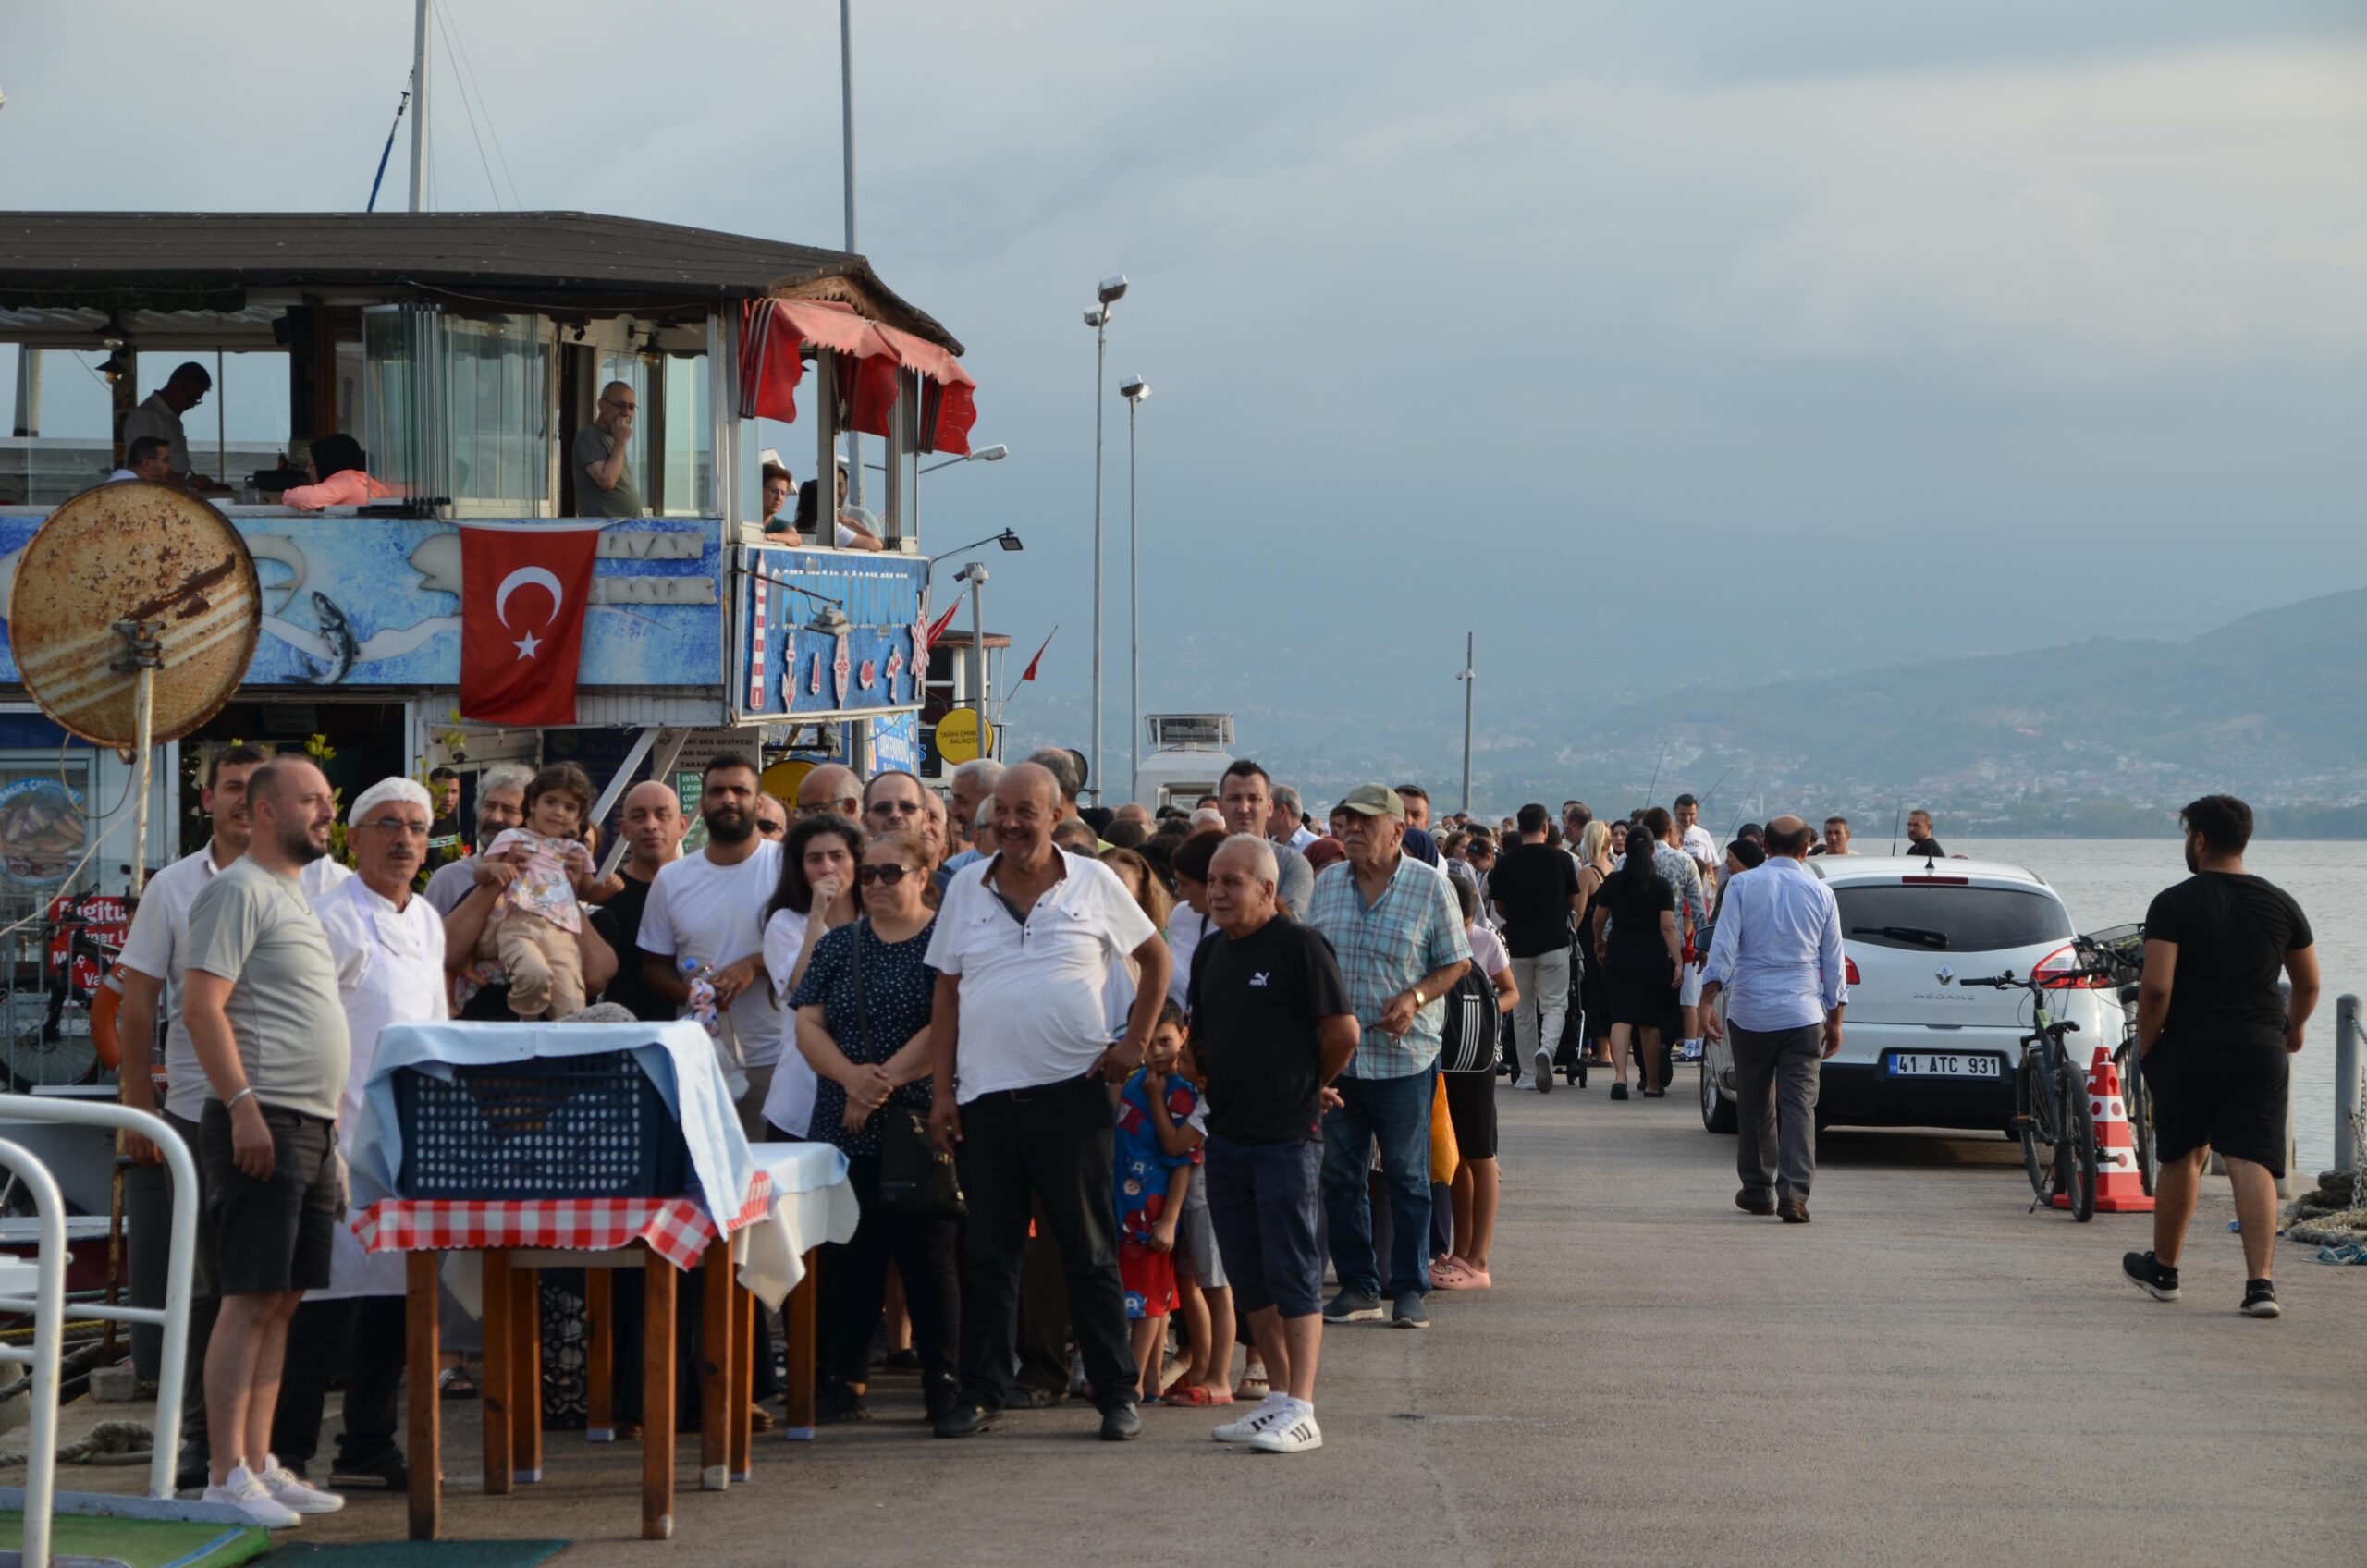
point(1420, 1000)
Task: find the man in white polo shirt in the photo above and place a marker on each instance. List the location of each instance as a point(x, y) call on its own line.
point(1021, 1050)
point(154, 953)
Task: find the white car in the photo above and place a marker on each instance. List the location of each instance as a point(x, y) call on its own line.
point(1917, 1049)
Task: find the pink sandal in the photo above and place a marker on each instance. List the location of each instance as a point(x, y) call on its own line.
point(1461, 1276)
point(1196, 1395)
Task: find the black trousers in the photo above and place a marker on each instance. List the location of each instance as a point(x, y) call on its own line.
point(1045, 1151)
point(1043, 1316)
point(854, 1287)
point(364, 1338)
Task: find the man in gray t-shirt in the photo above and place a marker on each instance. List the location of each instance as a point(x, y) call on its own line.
point(604, 483)
point(260, 999)
point(1246, 793)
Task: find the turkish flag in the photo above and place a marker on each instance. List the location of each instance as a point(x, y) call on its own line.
point(523, 590)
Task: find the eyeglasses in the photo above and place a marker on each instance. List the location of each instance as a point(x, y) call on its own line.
point(627, 408)
point(896, 808)
point(397, 824)
point(886, 875)
point(770, 829)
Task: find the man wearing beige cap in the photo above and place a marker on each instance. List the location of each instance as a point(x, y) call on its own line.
point(1398, 932)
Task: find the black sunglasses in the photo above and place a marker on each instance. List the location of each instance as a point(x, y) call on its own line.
point(886, 875)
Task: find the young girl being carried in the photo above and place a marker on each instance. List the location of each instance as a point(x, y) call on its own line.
point(536, 919)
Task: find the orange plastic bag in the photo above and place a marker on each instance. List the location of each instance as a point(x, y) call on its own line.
point(1444, 1157)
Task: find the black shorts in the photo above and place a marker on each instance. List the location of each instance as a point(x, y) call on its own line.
point(1471, 1105)
point(273, 1236)
point(2229, 1094)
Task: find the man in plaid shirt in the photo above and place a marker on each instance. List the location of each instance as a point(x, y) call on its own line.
point(1398, 932)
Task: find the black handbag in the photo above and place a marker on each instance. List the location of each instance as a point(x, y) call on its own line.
point(916, 1178)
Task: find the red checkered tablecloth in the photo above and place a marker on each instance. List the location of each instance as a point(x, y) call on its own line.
point(677, 1230)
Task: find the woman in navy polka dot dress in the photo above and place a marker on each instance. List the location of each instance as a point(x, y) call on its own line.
point(863, 1071)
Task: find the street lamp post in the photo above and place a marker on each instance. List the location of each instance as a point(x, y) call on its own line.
point(846, 140)
point(1470, 678)
point(975, 574)
point(1134, 390)
point(1109, 291)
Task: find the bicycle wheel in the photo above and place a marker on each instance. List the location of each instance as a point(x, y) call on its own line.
point(2035, 1119)
point(2139, 1101)
point(2075, 1150)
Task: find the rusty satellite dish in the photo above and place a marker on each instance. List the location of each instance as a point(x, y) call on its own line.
point(132, 585)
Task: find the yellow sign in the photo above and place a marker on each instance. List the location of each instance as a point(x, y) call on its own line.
point(964, 734)
point(782, 779)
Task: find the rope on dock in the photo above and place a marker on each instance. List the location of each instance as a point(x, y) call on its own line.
point(110, 1442)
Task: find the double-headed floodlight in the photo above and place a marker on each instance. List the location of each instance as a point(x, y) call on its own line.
point(1133, 389)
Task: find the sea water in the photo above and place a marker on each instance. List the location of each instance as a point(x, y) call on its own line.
point(2110, 881)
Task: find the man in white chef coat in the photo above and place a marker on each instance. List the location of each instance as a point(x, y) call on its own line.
point(389, 947)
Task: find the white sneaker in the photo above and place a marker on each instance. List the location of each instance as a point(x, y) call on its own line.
point(291, 1491)
point(1295, 1435)
point(1543, 1063)
point(1271, 1410)
point(244, 1491)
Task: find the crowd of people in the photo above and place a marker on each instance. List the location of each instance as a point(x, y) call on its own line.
point(1184, 1062)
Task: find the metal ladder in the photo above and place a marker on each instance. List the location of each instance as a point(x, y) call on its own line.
point(47, 1304)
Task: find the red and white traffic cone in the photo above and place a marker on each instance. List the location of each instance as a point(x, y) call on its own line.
point(2120, 1187)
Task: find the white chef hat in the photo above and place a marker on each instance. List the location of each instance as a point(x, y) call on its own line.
point(409, 791)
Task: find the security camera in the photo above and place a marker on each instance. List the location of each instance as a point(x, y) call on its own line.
point(1112, 289)
point(1133, 389)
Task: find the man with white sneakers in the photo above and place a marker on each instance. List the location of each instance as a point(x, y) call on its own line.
point(1271, 1026)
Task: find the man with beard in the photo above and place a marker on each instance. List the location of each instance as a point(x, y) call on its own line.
point(706, 914)
point(262, 1010)
point(653, 827)
point(154, 955)
point(389, 952)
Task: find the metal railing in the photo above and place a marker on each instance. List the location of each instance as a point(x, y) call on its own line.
point(47, 1306)
point(2348, 1039)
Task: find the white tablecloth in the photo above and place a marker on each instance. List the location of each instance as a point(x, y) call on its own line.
point(813, 1203)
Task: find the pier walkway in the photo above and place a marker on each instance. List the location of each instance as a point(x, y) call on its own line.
point(1924, 1374)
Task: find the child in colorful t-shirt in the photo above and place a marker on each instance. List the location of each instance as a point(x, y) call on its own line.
point(1153, 1170)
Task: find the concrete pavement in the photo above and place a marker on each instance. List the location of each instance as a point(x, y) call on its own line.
point(1926, 1374)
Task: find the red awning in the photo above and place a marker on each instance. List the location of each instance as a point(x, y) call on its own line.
point(772, 341)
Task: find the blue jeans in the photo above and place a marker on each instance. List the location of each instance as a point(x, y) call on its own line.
point(1396, 1112)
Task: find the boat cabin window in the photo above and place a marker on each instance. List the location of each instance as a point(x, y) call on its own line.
point(64, 429)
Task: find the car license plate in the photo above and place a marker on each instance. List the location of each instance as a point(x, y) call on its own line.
point(1938, 1064)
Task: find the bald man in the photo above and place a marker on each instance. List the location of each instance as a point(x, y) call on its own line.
point(653, 826)
point(1778, 952)
point(1019, 1026)
point(832, 789)
point(604, 482)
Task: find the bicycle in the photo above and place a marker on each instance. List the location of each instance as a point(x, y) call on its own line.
point(2051, 1110)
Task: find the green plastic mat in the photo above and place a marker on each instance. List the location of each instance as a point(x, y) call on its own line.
point(144, 1543)
point(419, 1554)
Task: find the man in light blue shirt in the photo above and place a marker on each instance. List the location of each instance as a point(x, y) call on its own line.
point(1778, 949)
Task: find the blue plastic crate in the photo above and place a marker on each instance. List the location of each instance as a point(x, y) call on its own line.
point(589, 1126)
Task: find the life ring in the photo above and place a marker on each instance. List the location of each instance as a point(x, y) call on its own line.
point(104, 1003)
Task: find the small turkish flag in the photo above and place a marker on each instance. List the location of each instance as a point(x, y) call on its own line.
point(523, 590)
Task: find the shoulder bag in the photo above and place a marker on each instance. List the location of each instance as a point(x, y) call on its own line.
point(916, 1178)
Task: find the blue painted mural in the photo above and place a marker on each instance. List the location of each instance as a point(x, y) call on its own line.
point(375, 602)
point(788, 666)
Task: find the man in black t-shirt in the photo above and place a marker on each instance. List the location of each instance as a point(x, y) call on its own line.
point(653, 825)
point(2216, 1038)
point(1919, 836)
point(1535, 887)
point(1271, 1026)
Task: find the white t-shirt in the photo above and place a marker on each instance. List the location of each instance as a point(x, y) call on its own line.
point(1698, 846)
point(1488, 951)
point(789, 1105)
point(1184, 929)
point(1033, 993)
point(715, 914)
point(157, 946)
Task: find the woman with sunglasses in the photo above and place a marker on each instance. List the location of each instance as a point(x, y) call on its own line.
point(862, 1022)
point(815, 895)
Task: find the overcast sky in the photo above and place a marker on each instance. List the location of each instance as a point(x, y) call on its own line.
point(2007, 327)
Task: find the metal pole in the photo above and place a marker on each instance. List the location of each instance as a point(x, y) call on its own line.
point(144, 701)
point(28, 390)
point(1134, 606)
point(1100, 365)
point(846, 143)
point(221, 423)
point(49, 1333)
point(1470, 686)
point(418, 112)
point(975, 575)
point(2346, 1039)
